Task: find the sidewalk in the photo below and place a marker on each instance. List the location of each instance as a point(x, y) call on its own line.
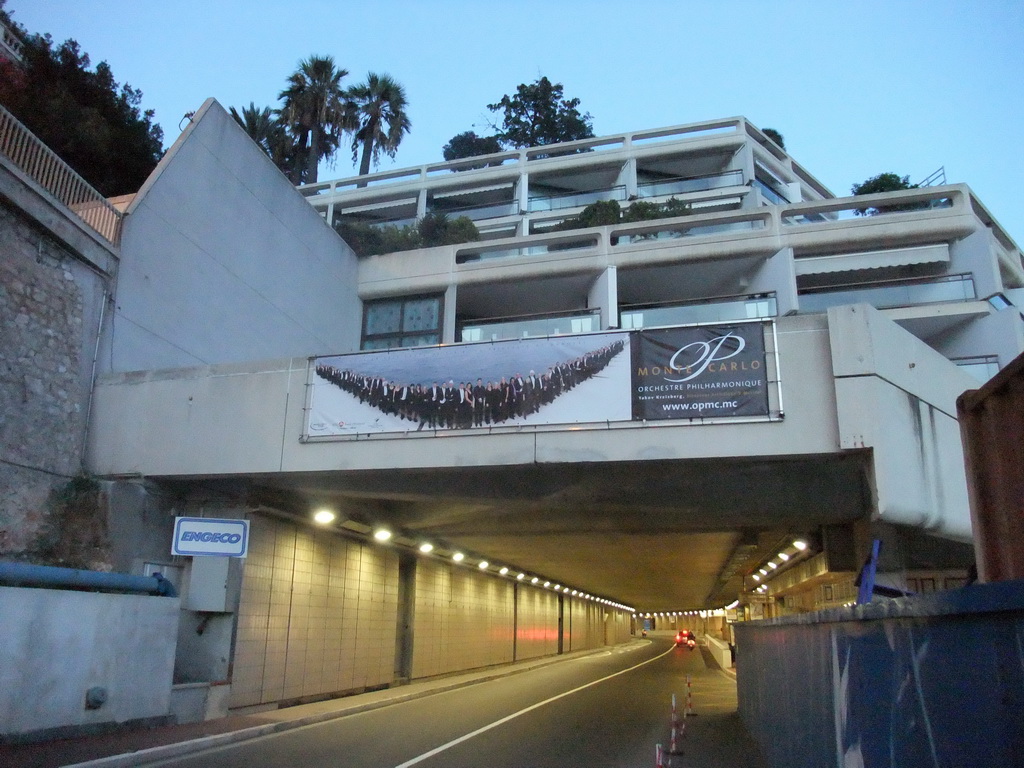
point(132, 747)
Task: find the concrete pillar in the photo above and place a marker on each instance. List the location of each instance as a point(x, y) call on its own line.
point(522, 194)
point(604, 294)
point(627, 178)
point(448, 326)
point(404, 634)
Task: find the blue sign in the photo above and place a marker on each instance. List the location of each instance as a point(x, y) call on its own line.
point(200, 536)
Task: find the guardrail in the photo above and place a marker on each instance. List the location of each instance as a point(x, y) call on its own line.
point(44, 167)
point(520, 157)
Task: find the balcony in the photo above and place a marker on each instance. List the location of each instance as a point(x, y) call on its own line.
point(724, 309)
point(530, 326)
point(576, 199)
point(681, 186)
point(677, 230)
point(891, 294)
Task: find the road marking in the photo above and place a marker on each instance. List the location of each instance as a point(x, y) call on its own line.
point(514, 715)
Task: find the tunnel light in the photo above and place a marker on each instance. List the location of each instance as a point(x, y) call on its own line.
point(558, 587)
point(458, 557)
point(547, 584)
point(534, 580)
point(382, 534)
point(503, 571)
point(732, 605)
point(756, 577)
point(783, 556)
point(426, 547)
point(574, 593)
point(772, 564)
point(520, 577)
point(763, 571)
point(483, 565)
point(800, 544)
point(324, 516)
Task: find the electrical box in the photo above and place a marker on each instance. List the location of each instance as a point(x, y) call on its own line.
point(208, 585)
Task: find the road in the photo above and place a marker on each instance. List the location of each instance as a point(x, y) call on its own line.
point(606, 709)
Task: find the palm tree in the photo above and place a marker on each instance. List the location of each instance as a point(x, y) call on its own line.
point(316, 110)
point(380, 118)
point(264, 126)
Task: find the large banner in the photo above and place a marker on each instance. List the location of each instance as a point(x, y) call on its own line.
point(562, 380)
point(673, 373)
point(699, 372)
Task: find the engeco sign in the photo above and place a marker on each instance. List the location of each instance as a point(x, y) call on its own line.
point(196, 536)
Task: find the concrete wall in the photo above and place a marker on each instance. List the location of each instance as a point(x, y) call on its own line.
point(249, 418)
point(931, 680)
point(54, 275)
point(463, 619)
point(903, 407)
point(536, 622)
point(57, 644)
point(223, 260)
point(317, 615)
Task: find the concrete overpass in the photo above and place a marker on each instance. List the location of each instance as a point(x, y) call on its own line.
point(660, 517)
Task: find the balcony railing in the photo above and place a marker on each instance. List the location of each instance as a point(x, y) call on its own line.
point(770, 194)
point(892, 294)
point(42, 165)
point(866, 208)
point(677, 230)
point(531, 326)
point(683, 185)
point(10, 43)
point(479, 212)
point(576, 199)
point(724, 309)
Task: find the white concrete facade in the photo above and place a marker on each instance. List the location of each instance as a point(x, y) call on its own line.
point(230, 281)
point(222, 261)
point(59, 644)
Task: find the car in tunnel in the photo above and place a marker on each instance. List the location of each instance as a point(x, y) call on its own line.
point(687, 638)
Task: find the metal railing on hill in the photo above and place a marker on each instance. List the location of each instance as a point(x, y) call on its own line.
point(43, 166)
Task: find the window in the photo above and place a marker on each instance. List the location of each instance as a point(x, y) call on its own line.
point(409, 321)
point(981, 367)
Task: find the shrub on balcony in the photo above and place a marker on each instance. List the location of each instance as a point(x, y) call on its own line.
point(609, 212)
point(433, 229)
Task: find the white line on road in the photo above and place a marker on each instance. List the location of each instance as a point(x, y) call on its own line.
point(514, 715)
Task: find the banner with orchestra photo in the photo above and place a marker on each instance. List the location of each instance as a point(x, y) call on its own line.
point(559, 380)
point(670, 373)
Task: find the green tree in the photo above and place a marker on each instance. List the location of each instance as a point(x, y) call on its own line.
point(775, 136)
point(538, 114)
point(437, 229)
point(884, 182)
point(91, 121)
point(316, 112)
point(380, 119)
point(433, 229)
point(265, 128)
point(468, 144)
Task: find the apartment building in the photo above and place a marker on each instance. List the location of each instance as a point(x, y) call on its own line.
point(760, 238)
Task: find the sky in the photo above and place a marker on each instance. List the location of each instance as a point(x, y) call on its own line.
point(856, 89)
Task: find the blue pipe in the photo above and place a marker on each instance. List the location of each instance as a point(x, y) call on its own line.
point(27, 575)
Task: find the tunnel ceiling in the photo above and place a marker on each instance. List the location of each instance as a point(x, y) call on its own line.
point(657, 535)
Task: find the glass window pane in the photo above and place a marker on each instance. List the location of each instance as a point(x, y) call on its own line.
point(386, 343)
point(421, 315)
point(383, 317)
point(421, 341)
